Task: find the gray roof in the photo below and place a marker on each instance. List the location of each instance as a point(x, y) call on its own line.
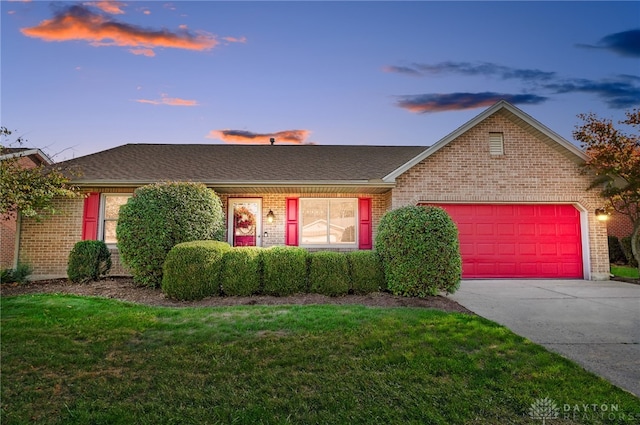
point(261, 165)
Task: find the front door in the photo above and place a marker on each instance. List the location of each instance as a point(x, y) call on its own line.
point(245, 222)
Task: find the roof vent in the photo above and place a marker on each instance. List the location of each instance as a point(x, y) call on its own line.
point(272, 141)
point(496, 144)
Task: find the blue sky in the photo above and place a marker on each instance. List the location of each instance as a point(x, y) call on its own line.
point(80, 77)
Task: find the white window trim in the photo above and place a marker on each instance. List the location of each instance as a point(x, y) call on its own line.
point(329, 245)
point(101, 216)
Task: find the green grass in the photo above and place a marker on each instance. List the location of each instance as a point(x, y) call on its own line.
point(625, 271)
point(80, 360)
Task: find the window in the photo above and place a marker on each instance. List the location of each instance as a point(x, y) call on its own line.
point(496, 144)
point(111, 208)
point(328, 222)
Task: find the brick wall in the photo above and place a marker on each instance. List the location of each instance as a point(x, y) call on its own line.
point(619, 225)
point(46, 244)
point(529, 171)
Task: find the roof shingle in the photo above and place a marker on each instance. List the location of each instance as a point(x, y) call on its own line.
point(211, 164)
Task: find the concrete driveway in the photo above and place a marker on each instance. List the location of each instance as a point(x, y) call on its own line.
point(596, 324)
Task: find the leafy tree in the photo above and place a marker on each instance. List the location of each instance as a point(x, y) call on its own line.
point(614, 158)
point(29, 190)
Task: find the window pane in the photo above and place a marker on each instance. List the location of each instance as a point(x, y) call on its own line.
point(112, 206)
point(313, 213)
point(343, 221)
point(110, 231)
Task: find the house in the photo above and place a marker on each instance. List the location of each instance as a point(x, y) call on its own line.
point(26, 158)
point(514, 187)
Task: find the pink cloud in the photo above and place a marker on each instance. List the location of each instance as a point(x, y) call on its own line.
point(79, 23)
point(112, 7)
point(170, 101)
point(143, 51)
point(247, 137)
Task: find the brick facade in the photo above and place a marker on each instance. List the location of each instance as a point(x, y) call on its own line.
point(619, 225)
point(533, 169)
point(530, 171)
point(46, 244)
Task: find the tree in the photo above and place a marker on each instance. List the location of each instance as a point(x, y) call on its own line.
point(29, 190)
point(614, 159)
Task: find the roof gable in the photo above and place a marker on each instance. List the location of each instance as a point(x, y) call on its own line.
point(514, 114)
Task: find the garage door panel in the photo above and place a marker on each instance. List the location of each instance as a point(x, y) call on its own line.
point(518, 240)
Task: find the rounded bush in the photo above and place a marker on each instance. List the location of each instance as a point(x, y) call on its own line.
point(162, 215)
point(328, 273)
point(365, 272)
point(241, 272)
point(420, 251)
point(88, 260)
point(284, 270)
point(192, 270)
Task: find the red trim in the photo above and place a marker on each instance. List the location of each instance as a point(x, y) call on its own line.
point(365, 239)
point(291, 222)
point(90, 216)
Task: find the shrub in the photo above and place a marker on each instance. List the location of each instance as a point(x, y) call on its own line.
point(88, 260)
point(420, 251)
point(192, 270)
point(365, 272)
point(162, 215)
point(241, 272)
point(628, 253)
point(616, 254)
point(328, 273)
point(18, 275)
point(284, 270)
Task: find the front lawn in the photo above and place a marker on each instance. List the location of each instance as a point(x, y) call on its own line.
point(79, 360)
point(625, 271)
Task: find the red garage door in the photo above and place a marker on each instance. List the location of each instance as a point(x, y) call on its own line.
point(531, 241)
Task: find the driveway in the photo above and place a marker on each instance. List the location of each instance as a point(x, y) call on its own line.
point(595, 324)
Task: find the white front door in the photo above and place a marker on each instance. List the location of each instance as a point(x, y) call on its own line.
point(244, 222)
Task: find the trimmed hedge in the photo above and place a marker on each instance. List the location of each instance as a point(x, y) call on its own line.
point(420, 251)
point(284, 270)
point(241, 273)
point(192, 270)
point(162, 215)
point(365, 272)
point(88, 260)
point(328, 273)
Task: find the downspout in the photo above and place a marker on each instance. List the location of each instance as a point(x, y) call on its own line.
point(16, 249)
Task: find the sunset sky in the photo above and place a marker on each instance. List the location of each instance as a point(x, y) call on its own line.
point(81, 77)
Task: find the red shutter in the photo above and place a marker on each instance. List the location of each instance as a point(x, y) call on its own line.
point(90, 216)
point(291, 224)
point(366, 224)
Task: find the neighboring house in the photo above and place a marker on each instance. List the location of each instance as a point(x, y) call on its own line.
point(27, 158)
point(514, 187)
point(619, 225)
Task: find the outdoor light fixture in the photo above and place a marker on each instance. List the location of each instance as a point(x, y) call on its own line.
point(270, 216)
point(601, 214)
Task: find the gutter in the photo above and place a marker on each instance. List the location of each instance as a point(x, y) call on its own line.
point(244, 184)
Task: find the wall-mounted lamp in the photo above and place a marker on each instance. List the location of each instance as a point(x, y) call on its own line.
point(602, 214)
point(266, 235)
point(270, 216)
